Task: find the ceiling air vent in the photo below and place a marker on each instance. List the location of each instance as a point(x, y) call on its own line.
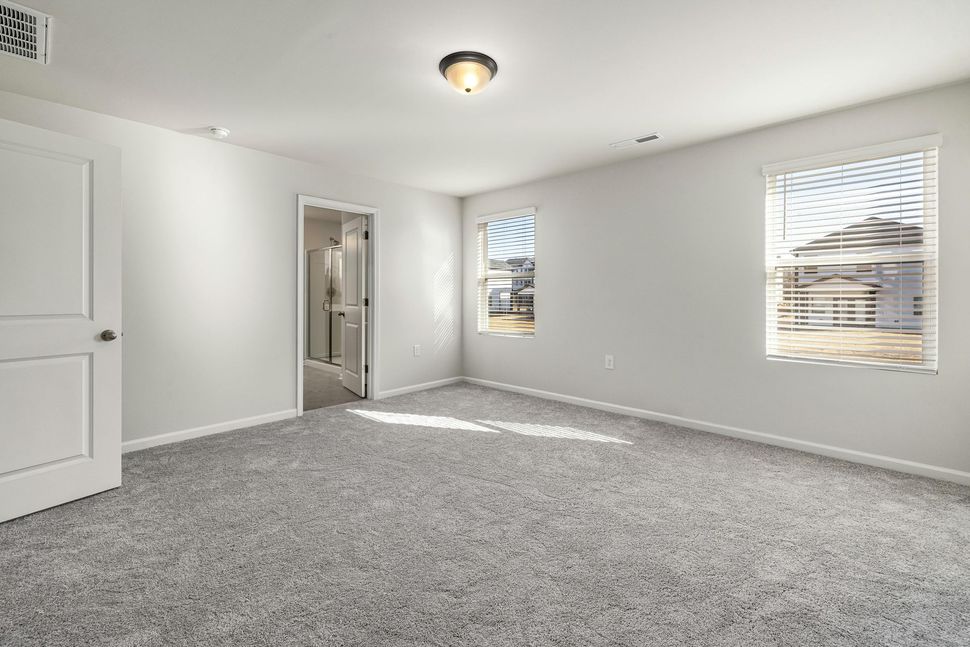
point(23, 32)
point(636, 140)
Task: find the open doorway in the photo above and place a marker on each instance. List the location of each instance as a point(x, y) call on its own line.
point(334, 303)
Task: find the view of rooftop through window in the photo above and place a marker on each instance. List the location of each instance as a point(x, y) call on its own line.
point(507, 266)
point(851, 261)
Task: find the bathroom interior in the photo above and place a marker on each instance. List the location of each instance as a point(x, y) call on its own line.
point(324, 308)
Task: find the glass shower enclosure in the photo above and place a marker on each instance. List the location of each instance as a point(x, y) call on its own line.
point(324, 304)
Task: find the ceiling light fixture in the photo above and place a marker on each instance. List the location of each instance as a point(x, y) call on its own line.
point(468, 72)
point(218, 132)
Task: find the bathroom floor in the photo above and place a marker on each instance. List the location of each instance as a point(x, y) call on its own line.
point(322, 388)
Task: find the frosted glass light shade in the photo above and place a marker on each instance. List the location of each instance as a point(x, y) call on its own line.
point(468, 77)
point(468, 72)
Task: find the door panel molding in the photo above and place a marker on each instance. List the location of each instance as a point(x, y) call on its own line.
point(22, 456)
point(84, 231)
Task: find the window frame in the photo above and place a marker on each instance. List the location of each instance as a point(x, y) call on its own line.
point(484, 275)
point(889, 149)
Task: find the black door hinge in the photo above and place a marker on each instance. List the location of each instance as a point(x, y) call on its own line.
point(366, 235)
point(366, 368)
point(366, 302)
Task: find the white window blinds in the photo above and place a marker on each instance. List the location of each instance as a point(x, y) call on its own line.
point(851, 257)
point(506, 273)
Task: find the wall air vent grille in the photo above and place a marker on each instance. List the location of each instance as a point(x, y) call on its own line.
point(24, 32)
point(636, 140)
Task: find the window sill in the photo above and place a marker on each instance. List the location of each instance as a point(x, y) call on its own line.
point(851, 364)
point(515, 335)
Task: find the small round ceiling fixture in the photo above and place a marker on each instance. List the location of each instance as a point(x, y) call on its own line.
point(468, 72)
point(218, 132)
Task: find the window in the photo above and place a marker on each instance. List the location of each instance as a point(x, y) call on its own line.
point(851, 257)
point(506, 273)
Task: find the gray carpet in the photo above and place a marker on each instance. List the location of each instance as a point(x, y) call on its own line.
point(323, 388)
point(339, 529)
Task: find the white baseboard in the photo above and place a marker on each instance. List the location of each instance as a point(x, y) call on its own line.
point(418, 387)
point(854, 456)
point(208, 430)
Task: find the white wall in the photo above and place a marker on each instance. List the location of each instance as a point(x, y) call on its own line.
point(659, 261)
point(317, 233)
point(210, 271)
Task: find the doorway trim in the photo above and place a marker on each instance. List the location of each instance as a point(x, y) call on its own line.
point(372, 350)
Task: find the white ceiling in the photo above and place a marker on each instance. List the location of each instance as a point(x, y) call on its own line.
point(354, 84)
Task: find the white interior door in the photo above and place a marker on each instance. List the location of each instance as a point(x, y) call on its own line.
point(354, 287)
point(60, 288)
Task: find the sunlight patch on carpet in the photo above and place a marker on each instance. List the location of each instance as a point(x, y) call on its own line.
point(552, 431)
point(417, 420)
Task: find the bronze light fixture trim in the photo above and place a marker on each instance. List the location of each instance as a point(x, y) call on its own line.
point(468, 72)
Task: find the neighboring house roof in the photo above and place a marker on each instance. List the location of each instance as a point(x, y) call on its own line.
point(871, 232)
point(522, 264)
point(847, 282)
point(510, 263)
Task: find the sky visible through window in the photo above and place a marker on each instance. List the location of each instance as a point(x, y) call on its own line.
point(511, 238)
point(817, 202)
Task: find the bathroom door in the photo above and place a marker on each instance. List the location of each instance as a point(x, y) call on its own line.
point(60, 319)
point(354, 326)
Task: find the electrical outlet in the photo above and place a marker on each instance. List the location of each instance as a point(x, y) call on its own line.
point(609, 362)
point(417, 350)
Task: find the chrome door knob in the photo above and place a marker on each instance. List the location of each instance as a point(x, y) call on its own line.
point(109, 335)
